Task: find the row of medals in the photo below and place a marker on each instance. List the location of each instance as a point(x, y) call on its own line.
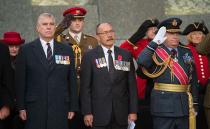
point(118, 64)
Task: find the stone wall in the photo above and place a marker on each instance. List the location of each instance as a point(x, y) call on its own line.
point(125, 15)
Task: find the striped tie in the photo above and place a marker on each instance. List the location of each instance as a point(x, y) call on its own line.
point(49, 54)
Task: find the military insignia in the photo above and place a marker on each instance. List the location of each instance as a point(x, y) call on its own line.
point(122, 65)
point(59, 59)
point(196, 26)
point(77, 11)
point(175, 59)
point(174, 23)
point(153, 22)
point(90, 47)
point(103, 62)
point(97, 63)
point(67, 37)
point(187, 58)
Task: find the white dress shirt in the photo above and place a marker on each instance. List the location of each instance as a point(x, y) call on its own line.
point(107, 54)
point(44, 46)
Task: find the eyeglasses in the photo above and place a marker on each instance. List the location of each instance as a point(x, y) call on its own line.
point(106, 32)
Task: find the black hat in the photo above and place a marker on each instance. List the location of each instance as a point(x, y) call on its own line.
point(172, 25)
point(196, 26)
point(150, 23)
point(145, 25)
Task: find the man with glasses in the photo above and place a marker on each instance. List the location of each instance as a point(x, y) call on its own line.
point(108, 85)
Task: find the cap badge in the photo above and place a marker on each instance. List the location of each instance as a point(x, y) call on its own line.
point(196, 26)
point(174, 23)
point(77, 11)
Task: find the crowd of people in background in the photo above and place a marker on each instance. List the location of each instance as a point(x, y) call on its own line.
point(77, 81)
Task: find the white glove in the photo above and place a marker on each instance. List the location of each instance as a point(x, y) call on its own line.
point(160, 36)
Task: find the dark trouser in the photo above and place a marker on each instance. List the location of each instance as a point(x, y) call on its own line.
point(112, 125)
point(77, 122)
point(144, 120)
point(171, 122)
point(207, 113)
point(3, 124)
point(201, 122)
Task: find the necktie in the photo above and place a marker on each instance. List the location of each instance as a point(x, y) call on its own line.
point(49, 54)
point(111, 64)
point(76, 38)
point(173, 53)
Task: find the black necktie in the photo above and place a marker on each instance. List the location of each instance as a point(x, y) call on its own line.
point(111, 64)
point(49, 54)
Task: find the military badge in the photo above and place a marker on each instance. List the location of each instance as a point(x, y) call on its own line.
point(60, 59)
point(174, 23)
point(97, 63)
point(187, 58)
point(90, 47)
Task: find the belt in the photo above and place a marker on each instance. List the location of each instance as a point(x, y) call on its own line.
point(171, 87)
point(180, 88)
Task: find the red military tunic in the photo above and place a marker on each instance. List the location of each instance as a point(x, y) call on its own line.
point(201, 65)
point(135, 51)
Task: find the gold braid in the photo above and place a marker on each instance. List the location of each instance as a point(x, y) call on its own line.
point(155, 74)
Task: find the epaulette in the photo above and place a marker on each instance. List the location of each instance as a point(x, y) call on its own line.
point(183, 46)
point(89, 36)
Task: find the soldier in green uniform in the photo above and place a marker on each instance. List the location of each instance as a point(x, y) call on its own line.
point(80, 43)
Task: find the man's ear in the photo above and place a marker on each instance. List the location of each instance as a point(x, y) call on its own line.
point(97, 37)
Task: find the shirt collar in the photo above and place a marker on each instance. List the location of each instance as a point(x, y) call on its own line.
point(172, 48)
point(78, 34)
point(44, 43)
point(106, 49)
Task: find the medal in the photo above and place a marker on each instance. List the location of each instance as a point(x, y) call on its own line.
point(97, 63)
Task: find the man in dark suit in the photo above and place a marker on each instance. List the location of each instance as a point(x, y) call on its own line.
point(5, 85)
point(46, 80)
point(172, 68)
point(108, 85)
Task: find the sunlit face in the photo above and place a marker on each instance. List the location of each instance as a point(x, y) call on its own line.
point(46, 27)
point(13, 50)
point(150, 34)
point(197, 37)
point(106, 35)
point(77, 25)
point(172, 40)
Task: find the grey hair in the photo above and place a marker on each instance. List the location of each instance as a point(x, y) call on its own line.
point(45, 15)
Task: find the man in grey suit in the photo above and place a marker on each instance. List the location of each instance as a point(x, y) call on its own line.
point(46, 80)
point(108, 86)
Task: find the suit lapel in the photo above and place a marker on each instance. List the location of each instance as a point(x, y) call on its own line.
point(39, 52)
